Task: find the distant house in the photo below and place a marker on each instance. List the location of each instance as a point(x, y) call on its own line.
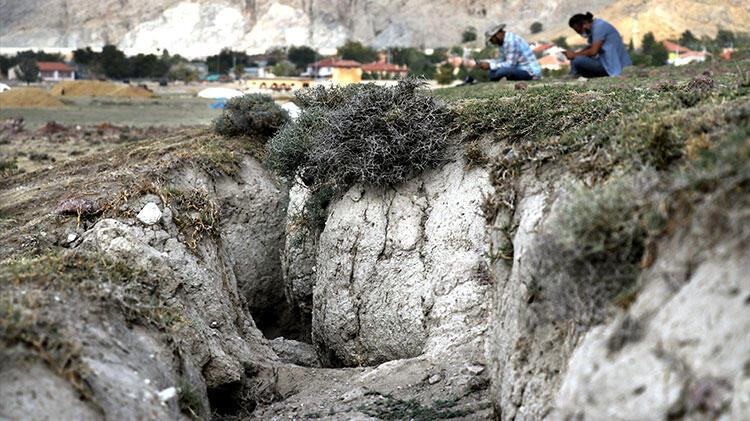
point(726, 53)
point(54, 71)
point(381, 68)
point(277, 84)
point(680, 56)
point(339, 71)
point(553, 62)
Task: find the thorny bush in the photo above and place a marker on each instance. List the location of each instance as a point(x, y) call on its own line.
point(367, 134)
point(252, 115)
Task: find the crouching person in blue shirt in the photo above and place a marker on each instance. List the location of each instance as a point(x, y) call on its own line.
point(515, 60)
point(605, 55)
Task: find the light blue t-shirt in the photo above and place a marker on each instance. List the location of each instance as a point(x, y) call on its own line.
point(613, 55)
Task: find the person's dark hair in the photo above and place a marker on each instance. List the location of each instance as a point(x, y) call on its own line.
point(579, 19)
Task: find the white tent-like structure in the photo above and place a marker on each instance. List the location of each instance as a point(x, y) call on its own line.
point(219, 93)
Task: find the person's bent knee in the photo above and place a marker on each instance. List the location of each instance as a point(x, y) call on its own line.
point(576, 65)
point(499, 73)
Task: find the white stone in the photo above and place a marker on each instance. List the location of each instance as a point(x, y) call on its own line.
point(150, 214)
point(167, 394)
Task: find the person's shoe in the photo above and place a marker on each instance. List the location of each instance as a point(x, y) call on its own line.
point(468, 81)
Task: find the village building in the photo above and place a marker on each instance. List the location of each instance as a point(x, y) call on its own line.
point(680, 56)
point(51, 71)
point(277, 84)
point(381, 69)
point(342, 72)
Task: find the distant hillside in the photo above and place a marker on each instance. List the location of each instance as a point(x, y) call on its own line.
point(667, 18)
point(198, 28)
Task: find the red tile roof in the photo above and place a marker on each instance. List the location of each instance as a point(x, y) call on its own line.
point(384, 67)
point(51, 66)
point(333, 62)
point(674, 47)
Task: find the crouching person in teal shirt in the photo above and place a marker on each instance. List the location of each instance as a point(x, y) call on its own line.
point(515, 59)
point(605, 55)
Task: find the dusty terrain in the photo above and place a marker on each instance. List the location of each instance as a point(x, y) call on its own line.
point(580, 253)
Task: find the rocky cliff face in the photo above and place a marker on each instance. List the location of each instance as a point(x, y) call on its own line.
point(201, 28)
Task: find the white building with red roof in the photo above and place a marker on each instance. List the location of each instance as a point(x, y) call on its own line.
point(54, 71)
point(338, 71)
point(382, 68)
point(680, 56)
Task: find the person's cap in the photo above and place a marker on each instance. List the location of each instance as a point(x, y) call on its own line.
point(491, 31)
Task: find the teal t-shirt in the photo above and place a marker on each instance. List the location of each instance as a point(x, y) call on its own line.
point(613, 55)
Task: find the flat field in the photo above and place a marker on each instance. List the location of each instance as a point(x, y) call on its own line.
point(162, 111)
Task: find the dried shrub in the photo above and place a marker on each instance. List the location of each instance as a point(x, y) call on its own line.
point(361, 134)
point(250, 115)
point(592, 253)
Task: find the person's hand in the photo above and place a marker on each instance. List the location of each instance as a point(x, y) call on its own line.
point(569, 54)
point(484, 65)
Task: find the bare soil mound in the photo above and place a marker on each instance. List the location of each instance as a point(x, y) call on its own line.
point(99, 88)
point(28, 98)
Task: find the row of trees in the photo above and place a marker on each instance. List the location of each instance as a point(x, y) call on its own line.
point(113, 63)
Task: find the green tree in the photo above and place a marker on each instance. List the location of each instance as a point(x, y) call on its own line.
point(536, 27)
point(6, 62)
point(114, 63)
point(688, 40)
point(275, 55)
point(654, 52)
point(417, 61)
point(28, 71)
point(38, 56)
point(438, 55)
point(183, 72)
point(724, 38)
point(445, 75)
point(353, 50)
point(238, 71)
point(284, 68)
point(226, 60)
point(302, 56)
point(469, 35)
point(561, 42)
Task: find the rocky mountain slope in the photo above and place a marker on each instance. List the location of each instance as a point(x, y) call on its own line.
point(200, 28)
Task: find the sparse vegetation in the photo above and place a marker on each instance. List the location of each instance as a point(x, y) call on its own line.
point(387, 407)
point(469, 35)
point(251, 115)
point(190, 402)
point(633, 145)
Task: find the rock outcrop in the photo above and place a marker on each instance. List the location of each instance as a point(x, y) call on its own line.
point(401, 272)
point(202, 28)
point(158, 323)
point(682, 350)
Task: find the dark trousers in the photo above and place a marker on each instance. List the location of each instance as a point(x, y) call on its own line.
point(510, 73)
point(587, 67)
